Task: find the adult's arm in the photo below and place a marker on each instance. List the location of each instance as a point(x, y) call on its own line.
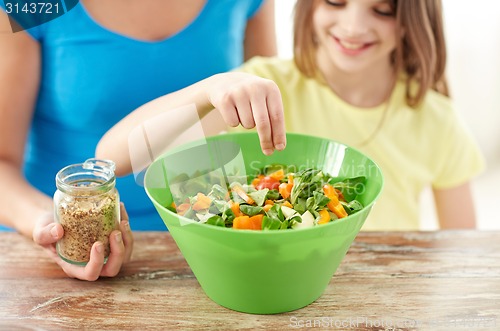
point(260, 35)
point(20, 204)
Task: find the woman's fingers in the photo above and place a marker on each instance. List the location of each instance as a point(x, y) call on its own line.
point(127, 237)
point(96, 267)
point(121, 245)
point(91, 271)
point(128, 240)
point(47, 232)
point(116, 256)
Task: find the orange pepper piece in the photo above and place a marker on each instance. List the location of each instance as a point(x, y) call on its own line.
point(202, 202)
point(324, 216)
point(278, 175)
point(241, 222)
point(235, 207)
point(334, 205)
point(257, 180)
point(182, 208)
point(248, 223)
point(242, 194)
point(256, 222)
point(267, 207)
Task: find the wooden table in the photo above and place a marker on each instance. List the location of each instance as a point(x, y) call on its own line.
point(409, 281)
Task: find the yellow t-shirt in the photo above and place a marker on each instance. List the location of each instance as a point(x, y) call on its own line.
point(414, 148)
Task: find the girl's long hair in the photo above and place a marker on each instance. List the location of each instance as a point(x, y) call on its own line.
point(420, 53)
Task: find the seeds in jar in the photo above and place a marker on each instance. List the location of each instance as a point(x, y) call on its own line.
point(85, 220)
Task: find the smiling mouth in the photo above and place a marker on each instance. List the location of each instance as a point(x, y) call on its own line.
point(352, 46)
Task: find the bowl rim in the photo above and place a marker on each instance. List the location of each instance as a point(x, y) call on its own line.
point(189, 221)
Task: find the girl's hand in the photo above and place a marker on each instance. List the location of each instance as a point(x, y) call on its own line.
point(47, 233)
point(252, 102)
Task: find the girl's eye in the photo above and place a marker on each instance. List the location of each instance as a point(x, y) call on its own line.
point(386, 13)
point(335, 3)
point(387, 10)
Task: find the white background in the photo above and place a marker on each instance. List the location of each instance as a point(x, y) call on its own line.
point(473, 38)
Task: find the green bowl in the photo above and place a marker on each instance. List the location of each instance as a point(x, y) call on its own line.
point(262, 272)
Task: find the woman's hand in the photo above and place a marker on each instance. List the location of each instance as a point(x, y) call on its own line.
point(252, 102)
point(47, 233)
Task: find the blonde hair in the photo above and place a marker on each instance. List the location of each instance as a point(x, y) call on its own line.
point(420, 53)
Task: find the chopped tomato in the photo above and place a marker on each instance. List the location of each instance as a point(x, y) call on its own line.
point(268, 182)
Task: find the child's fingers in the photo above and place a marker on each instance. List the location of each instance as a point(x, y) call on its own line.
point(244, 110)
point(229, 114)
point(262, 123)
point(226, 108)
point(276, 116)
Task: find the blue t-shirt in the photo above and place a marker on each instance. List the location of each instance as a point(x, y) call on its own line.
point(93, 77)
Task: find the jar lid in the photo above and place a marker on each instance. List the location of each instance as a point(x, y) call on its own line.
point(94, 175)
point(91, 164)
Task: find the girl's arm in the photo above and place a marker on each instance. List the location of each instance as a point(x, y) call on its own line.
point(455, 207)
point(240, 98)
point(260, 34)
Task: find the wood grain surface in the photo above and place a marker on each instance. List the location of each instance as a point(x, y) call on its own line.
point(445, 280)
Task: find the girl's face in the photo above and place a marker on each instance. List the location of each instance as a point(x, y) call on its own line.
point(355, 35)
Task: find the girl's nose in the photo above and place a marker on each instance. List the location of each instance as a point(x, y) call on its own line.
point(353, 21)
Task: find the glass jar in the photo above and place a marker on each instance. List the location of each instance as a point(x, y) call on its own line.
point(87, 205)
